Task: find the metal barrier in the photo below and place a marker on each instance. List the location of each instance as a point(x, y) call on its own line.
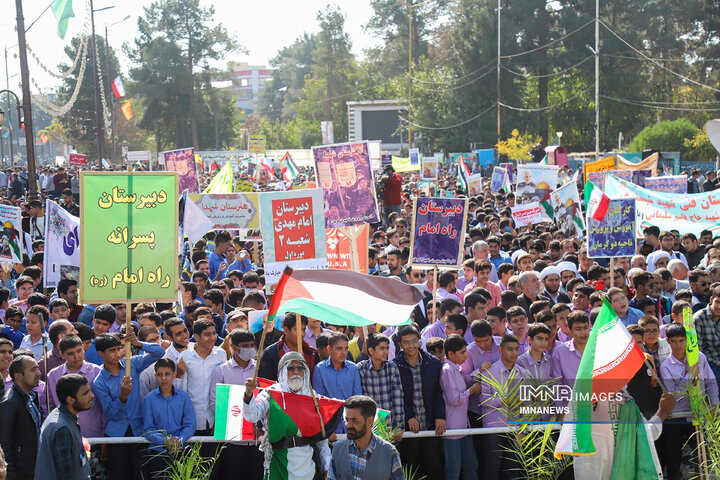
point(422, 434)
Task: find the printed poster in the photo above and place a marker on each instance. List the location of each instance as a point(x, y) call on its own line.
point(671, 184)
point(438, 234)
point(475, 185)
point(568, 216)
point(528, 214)
point(598, 178)
point(614, 236)
point(535, 182)
point(430, 168)
point(78, 159)
point(339, 254)
point(130, 250)
point(182, 161)
point(229, 211)
point(345, 176)
point(607, 163)
point(498, 177)
point(11, 241)
point(293, 231)
point(62, 243)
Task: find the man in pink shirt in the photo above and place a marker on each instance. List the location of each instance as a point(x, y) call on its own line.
point(482, 274)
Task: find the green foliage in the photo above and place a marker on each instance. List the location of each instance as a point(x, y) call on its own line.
point(188, 464)
point(668, 136)
point(700, 147)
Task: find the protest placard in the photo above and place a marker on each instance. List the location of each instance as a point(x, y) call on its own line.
point(403, 164)
point(498, 179)
point(229, 211)
point(429, 168)
point(243, 186)
point(607, 163)
point(339, 252)
point(689, 213)
point(414, 157)
point(598, 178)
point(438, 233)
point(565, 202)
point(639, 176)
point(62, 243)
point(614, 236)
point(11, 241)
point(78, 159)
point(130, 246)
point(649, 163)
point(345, 176)
point(527, 214)
point(671, 184)
point(182, 161)
point(257, 144)
point(534, 182)
point(293, 230)
point(475, 185)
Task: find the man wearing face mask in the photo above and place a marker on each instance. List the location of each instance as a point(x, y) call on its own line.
point(294, 455)
point(236, 371)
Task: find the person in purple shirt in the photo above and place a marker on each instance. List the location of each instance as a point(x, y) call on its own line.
point(621, 306)
point(561, 311)
point(505, 372)
point(581, 298)
point(456, 324)
point(92, 421)
point(548, 319)
point(566, 357)
point(518, 324)
point(449, 306)
point(459, 451)
point(476, 308)
point(536, 359)
point(674, 372)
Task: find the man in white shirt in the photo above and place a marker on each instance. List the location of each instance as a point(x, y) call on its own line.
point(178, 334)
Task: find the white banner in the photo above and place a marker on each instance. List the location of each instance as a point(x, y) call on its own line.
point(62, 244)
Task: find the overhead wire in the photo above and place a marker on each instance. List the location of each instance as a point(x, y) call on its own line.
point(420, 80)
point(639, 103)
point(552, 42)
point(542, 109)
point(415, 125)
point(554, 74)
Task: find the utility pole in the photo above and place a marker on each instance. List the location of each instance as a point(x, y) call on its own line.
point(27, 109)
point(497, 67)
point(99, 114)
point(113, 156)
point(7, 83)
point(410, 39)
point(597, 79)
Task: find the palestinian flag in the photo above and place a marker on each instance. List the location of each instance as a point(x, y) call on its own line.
point(506, 183)
point(611, 358)
point(288, 168)
point(342, 297)
point(547, 207)
point(295, 415)
point(117, 87)
point(463, 172)
point(229, 421)
point(596, 202)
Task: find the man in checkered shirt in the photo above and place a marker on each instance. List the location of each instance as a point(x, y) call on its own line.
point(380, 380)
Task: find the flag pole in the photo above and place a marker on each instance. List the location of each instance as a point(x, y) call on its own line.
point(612, 275)
point(128, 346)
point(298, 329)
point(44, 345)
point(655, 375)
point(260, 347)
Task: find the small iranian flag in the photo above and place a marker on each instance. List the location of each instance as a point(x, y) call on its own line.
point(117, 87)
point(229, 421)
point(611, 358)
point(596, 202)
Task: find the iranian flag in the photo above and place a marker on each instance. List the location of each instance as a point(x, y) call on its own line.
point(229, 422)
point(596, 202)
point(611, 358)
point(343, 297)
point(117, 87)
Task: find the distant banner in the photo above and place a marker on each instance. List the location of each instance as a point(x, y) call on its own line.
point(78, 159)
point(183, 162)
point(293, 231)
point(598, 178)
point(566, 209)
point(11, 241)
point(528, 214)
point(402, 165)
point(339, 254)
point(689, 213)
point(415, 157)
point(229, 210)
point(535, 181)
point(438, 234)
point(650, 163)
point(475, 185)
point(429, 168)
point(498, 177)
point(673, 184)
point(607, 163)
point(257, 144)
point(243, 186)
point(345, 175)
point(639, 176)
point(614, 235)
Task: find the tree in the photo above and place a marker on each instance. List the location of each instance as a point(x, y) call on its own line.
point(191, 36)
point(668, 136)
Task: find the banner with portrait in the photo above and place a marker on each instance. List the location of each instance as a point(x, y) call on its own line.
point(535, 182)
point(182, 161)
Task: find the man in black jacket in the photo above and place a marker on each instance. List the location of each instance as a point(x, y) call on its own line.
point(288, 343)
point(20, 419)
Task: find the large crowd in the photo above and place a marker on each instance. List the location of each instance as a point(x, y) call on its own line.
point(522, 305)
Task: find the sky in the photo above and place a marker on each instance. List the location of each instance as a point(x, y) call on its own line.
point(262, 27)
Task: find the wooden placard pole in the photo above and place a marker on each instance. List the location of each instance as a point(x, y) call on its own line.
point(260, 347)
point(612, 272)
point(298, 329)
point(435, 286)
point(128, 346)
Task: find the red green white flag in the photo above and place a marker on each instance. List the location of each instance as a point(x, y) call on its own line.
point(610, 359)
point(117, 87)
point(596, 202)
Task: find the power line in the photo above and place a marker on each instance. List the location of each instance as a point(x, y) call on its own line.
point(549, 43)
point(639, 103)
point(542, 109)
point(680, 75)
point(493, 62)
point(554, 74)
point(457, 124)
point(681, 60)
point(456, 87)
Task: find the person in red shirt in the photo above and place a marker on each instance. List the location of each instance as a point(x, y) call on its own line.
point(393, 191)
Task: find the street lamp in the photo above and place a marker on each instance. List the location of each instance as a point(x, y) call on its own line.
point(559, 135)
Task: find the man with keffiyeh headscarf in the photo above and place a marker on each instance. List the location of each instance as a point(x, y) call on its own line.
point(293, 456)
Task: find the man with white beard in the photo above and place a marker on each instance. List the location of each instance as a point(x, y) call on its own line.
point(292, 456)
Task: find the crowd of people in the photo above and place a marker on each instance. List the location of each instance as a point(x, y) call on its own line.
point(521, 307)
